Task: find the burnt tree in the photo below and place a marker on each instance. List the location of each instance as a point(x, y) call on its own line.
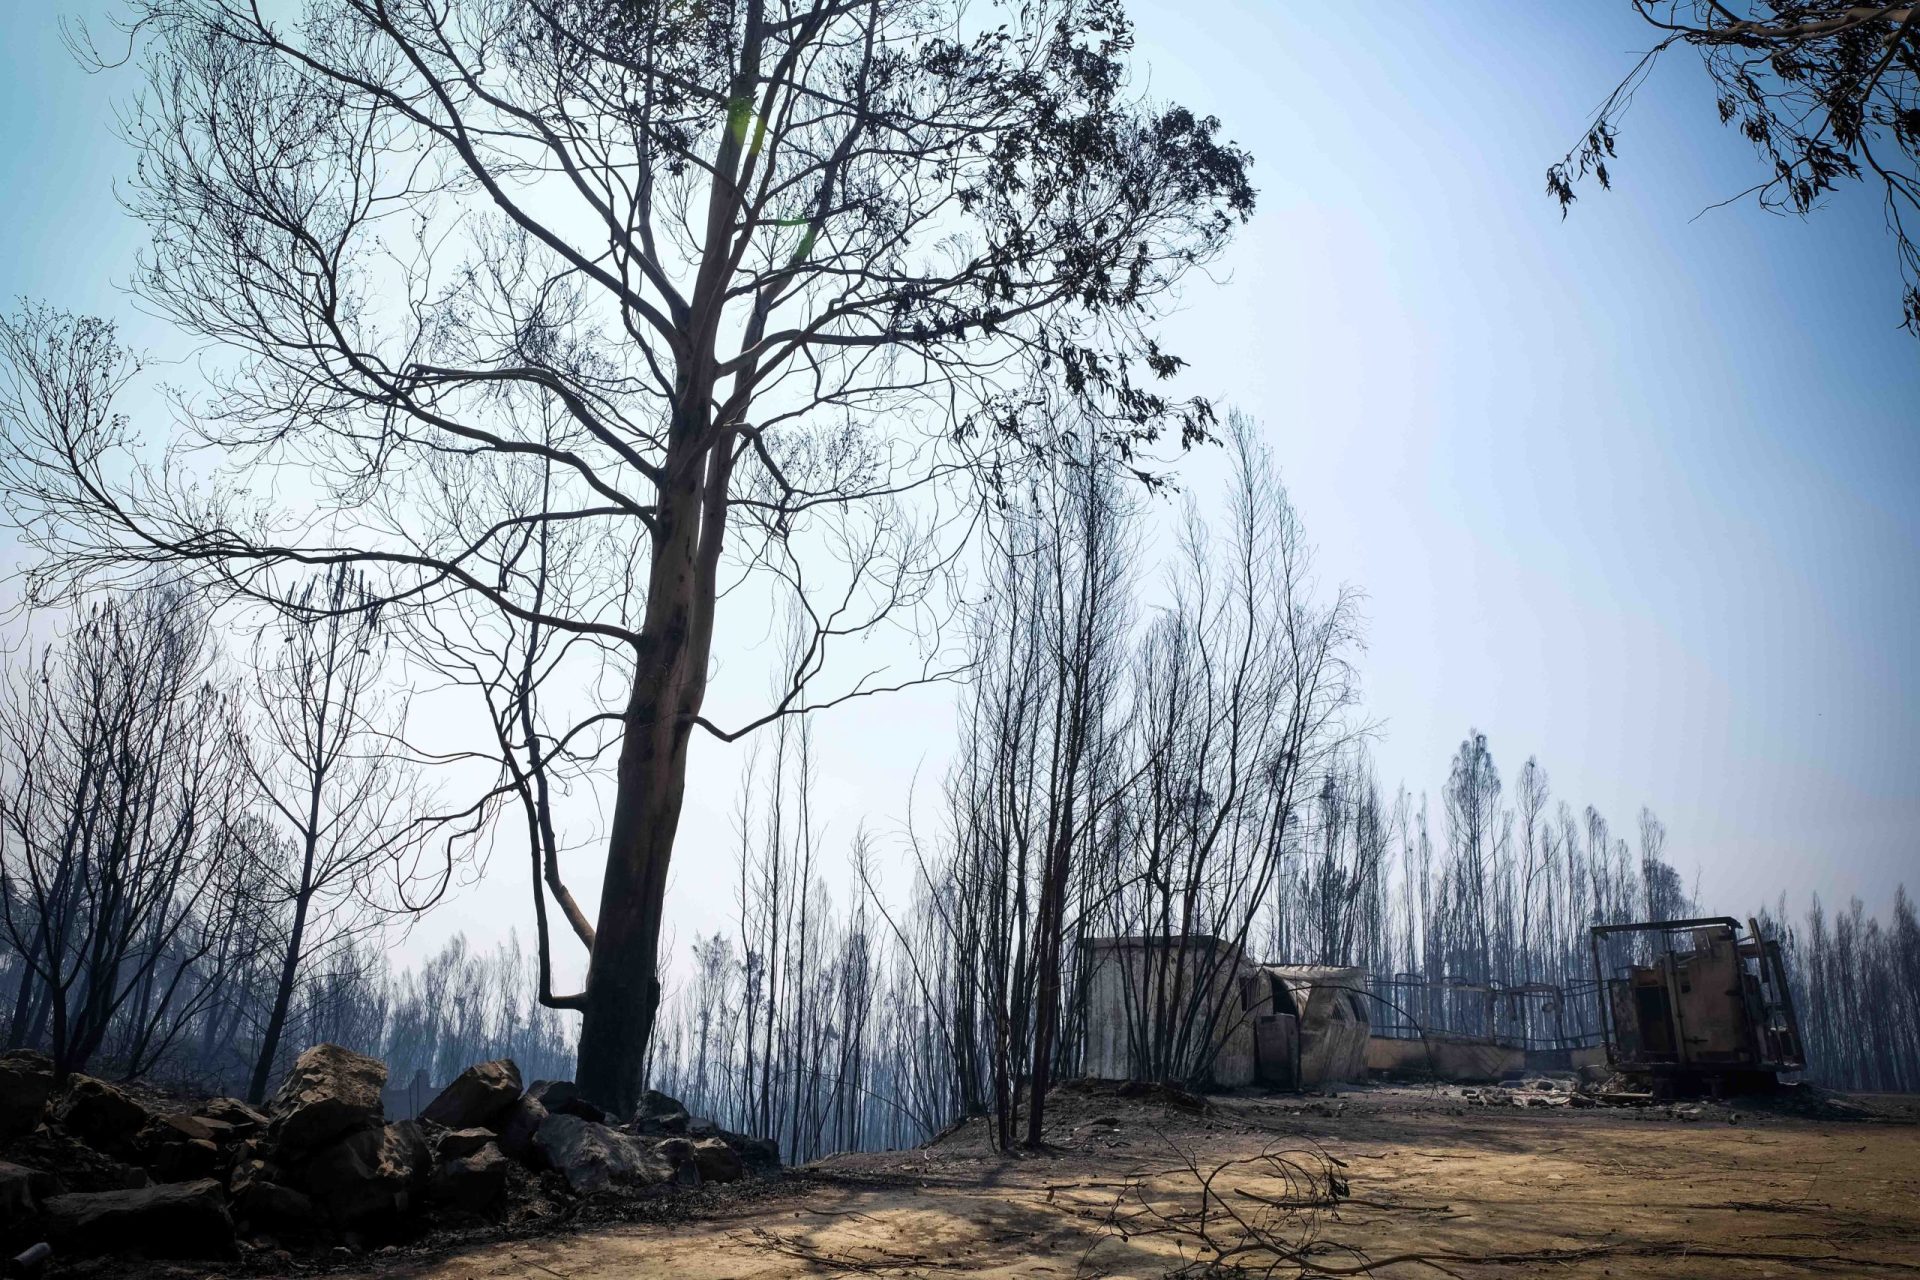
point(747, 284)
point(1827, 91)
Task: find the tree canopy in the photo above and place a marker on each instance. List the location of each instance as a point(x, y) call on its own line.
point(1827, 91)
point(569, 316)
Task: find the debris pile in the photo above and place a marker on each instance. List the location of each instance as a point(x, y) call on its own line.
point(1534, 1091)
point(92, 1168)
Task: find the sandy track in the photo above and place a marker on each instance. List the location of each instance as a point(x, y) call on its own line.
point(1475, 1191)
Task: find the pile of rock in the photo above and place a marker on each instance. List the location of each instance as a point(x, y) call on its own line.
point(91, 1168)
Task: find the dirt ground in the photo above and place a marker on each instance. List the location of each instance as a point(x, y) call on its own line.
point(1425, 1182)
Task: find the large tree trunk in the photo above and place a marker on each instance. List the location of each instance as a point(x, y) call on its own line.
point(623, 985)
point(670, 670)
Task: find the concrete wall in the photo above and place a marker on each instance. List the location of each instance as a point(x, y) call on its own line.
point(1125, 984)
point(1463, 1061)
point(1332, 1007)
point(1452, 1060)
point(1325, 1009)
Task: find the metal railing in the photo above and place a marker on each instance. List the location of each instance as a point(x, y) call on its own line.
point(1535, 1015)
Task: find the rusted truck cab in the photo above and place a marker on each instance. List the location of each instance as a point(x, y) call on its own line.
point(1695, 1004)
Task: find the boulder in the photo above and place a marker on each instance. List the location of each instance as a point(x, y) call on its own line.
point(180, 1126)
point(717, 1161)
point(659, 1113)
point(269, 1205)
point(241, 1120)
point(219, 1132)
point(373, 1176)
point(180, 1220)
point(329, 1092)
point(100, 1115)
point(678, 1154)
point(563, 1098)
point(517, 1126)
point(181, 1148)
point(477, 1095)
point(455, 1143)
point(26, 1082)
point(472, 1181)
point(71, 1163)
point(186, 1161)
point(249, 1167)
point(762, 1155)
point(20, 1189)
point(592, 1156)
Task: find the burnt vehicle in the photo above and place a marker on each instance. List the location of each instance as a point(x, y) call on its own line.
point(1696, 1003)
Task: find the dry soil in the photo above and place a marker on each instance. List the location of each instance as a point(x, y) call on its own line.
point(1432, 1183)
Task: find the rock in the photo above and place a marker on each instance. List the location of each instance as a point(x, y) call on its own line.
point(192, 1128)
point(26, 1082)
point(677, 1152)
point(373, 1176)
point(273, 1261)
point(562, 1098)
point(99, 1114)
point(71, 1163)
point(20, 1188)
point(249, 1167)
point(186, 1161)
point(477, 1095)
point(701, 1127)
point(270, 1205)
point(241, 1120)
point(472, 1181)
point(659, 1113)
point(180, 1148)
point(462, 1142)
point(592, 1156)
point(762, 1155)
point(517, 1126)
point(180, 1220)
point(717, 1161)
point(329, 1092)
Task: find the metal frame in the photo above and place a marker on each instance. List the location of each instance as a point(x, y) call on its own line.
point(1775, 1049)
point(1533, 1016)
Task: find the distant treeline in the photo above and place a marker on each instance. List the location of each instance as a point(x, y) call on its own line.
point(198, 868)
point(1856, 983)
point(201, 856)
point(1189, 764)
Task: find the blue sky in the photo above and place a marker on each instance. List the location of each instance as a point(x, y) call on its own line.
point(1633, 492)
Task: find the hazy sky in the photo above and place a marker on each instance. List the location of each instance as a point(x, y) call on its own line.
point(1633, 492)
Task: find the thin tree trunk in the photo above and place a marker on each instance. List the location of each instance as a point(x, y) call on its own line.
point(282, 997)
